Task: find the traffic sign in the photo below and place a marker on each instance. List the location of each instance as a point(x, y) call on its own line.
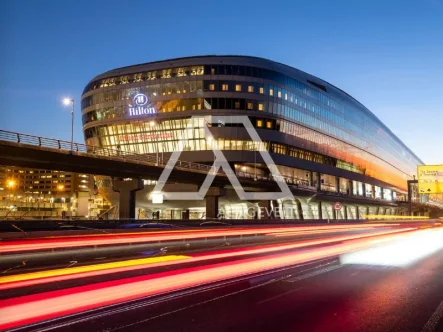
point(430, 179)
point(338, 206)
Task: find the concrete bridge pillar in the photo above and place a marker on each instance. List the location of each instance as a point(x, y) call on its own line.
point(211, 199)
point(311, 178)
point(299, 209)
point(320, 211)
point(318, 181)
point(265, 209)
point(127, 191)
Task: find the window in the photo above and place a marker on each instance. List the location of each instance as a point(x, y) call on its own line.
point(262, 90)
point(250, 88)
point(211, 87)
point(238, 87)
point(271, 92)
point(279, 94)
point(269, 124)
point(225, 87)
point(237, 105)
point(259, 123)
point(250, 106)
point(260, 106)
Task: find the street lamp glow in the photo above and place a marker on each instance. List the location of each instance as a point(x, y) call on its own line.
point(10, 183)
point(69, 101)
point(60, 187)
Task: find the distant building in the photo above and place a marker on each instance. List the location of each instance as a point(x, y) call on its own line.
point(36, 193)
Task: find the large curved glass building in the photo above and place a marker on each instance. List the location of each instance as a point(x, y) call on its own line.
point(318, 135)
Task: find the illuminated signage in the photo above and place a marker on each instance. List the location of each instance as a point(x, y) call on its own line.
point(157, 198)
point(147, 136)
point(430, 179)
point(141, 106)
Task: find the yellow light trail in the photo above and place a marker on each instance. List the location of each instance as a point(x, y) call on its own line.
point(90, 268)
point(382, 216)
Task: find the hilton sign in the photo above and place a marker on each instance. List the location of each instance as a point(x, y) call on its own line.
point(141, 106)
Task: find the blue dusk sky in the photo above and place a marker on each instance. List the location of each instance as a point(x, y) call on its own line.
point(387, 54)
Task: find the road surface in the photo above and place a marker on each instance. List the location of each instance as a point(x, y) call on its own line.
point(374, 278)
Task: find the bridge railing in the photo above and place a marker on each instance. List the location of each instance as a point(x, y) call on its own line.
point(69, 146)
point(14, 137)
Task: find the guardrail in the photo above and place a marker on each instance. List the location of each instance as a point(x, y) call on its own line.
point(117, 154)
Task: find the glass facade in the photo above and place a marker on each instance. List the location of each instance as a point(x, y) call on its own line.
point(328, 122)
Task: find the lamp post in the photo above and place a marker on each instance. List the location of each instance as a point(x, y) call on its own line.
point(10, 184)
point(60, 189)
point(68, 101)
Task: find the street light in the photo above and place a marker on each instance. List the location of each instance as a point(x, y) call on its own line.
point(67, 101)
point(11, 183)
point(60, 187)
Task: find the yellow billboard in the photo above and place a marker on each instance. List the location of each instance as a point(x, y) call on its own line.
point(430, 179)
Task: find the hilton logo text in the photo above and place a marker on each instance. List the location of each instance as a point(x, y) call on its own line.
point(141, 106)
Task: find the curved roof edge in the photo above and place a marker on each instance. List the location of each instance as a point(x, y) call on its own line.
point(116, 71)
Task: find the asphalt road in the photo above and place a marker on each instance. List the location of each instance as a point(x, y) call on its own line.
point(321, 296)
point(336, 285)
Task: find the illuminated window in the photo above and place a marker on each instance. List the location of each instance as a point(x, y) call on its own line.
point(260, 106)
point(271, 92)
point(238, 87)
point(250, 106)
point(211, 87)
point(262, 90)
point(279, 94)
point(225, 87)
point(269, 124)
point(259, 123)
point(286, 96)
point(250, 88)
point(237, 105)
